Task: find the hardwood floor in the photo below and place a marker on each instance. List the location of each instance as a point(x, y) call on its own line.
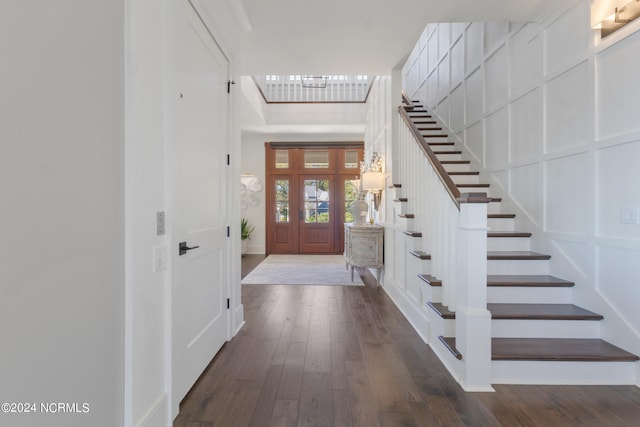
point(343, 356)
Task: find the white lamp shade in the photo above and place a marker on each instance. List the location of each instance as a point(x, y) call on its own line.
point(372, 181)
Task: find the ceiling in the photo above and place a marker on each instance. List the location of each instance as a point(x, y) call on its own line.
point(353, 37)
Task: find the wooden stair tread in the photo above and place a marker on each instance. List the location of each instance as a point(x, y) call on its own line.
point(428, 128)
point(441, 135)
point(455, 162)
point(552, 349)
point(501, 215)
point(408, 216)
point(448, 152)
point(395, 186)
point(442, 310)
point(401, 199)
point(440, 144)
point(423, 122)
point(508, 311)
point(508, 234)
point(495, 199)
point(450, 344)
point(473, 185)
point(558, 349)
point(527, 280)
point(430, 280)
point(464, 173)
point(420, 254)
point(516, 255)
point(413, 233)
point(541, 312)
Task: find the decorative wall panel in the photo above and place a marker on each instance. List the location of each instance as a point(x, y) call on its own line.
point(566, 109)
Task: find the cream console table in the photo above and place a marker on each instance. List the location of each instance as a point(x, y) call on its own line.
point(363, 246)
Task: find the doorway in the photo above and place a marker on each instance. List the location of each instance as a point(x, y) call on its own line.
point(308, 196)
point(200, 247)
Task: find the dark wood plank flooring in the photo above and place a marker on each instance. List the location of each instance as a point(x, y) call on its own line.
point(345, 356)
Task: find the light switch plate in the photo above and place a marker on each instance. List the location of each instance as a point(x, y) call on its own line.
point(160, 229)
point(159, 258)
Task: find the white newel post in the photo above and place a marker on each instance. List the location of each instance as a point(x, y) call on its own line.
point(473, 320)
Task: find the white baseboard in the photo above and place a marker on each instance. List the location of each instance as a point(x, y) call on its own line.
point(156, 415)
point(238, 319)
point(416, 317)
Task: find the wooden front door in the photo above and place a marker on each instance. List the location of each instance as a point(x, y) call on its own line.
point(317, 217)
point(308, 196)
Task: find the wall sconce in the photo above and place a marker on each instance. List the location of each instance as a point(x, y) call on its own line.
point(609, 16)
point(374, 183)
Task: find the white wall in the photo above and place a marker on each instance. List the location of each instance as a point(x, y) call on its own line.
point(62, 221)
point(147, 291)
point(253, 162)
point(550, 112)
point(378, 133)
point(148, 117)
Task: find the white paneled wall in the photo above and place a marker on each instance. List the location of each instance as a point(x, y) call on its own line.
point(378, 130)
point(551, 112)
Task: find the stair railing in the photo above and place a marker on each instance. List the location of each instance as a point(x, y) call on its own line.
point(454, 232)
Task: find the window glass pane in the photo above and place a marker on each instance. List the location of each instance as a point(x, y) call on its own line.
point(282, 200)
point(282, 159)
point(314, 159)
point(282, 212)
point(310, 212)
point(350, 159)
point(310, 190)
point(282, 190)
point(323, 212)
point(316, 198)
point(350, 194)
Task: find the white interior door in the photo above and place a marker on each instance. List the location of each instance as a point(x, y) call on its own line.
point(199, 175)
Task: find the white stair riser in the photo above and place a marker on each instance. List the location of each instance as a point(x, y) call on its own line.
point(412, 243)
point(508, 243)
point(534, 328)
point(464, 167)
point(431, 132)
point(430, 293)
point(528, 295)
point(445, 327)
point(494, 208)
point(545, 328)
point(465, 179)
point(442, 147)
point(563, 372)
point(399, 207)
point(436, 138)
point(448, 156)
point(405, 223)
point(518, 267)
point(500, 224)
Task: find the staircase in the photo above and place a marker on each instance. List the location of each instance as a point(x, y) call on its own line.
point(537, 335)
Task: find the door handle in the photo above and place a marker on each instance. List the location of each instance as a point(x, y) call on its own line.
point(183, 248)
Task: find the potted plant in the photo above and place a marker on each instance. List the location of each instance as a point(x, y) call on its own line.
point(246, 230)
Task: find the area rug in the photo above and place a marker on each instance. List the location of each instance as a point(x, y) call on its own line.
point(302, 270)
